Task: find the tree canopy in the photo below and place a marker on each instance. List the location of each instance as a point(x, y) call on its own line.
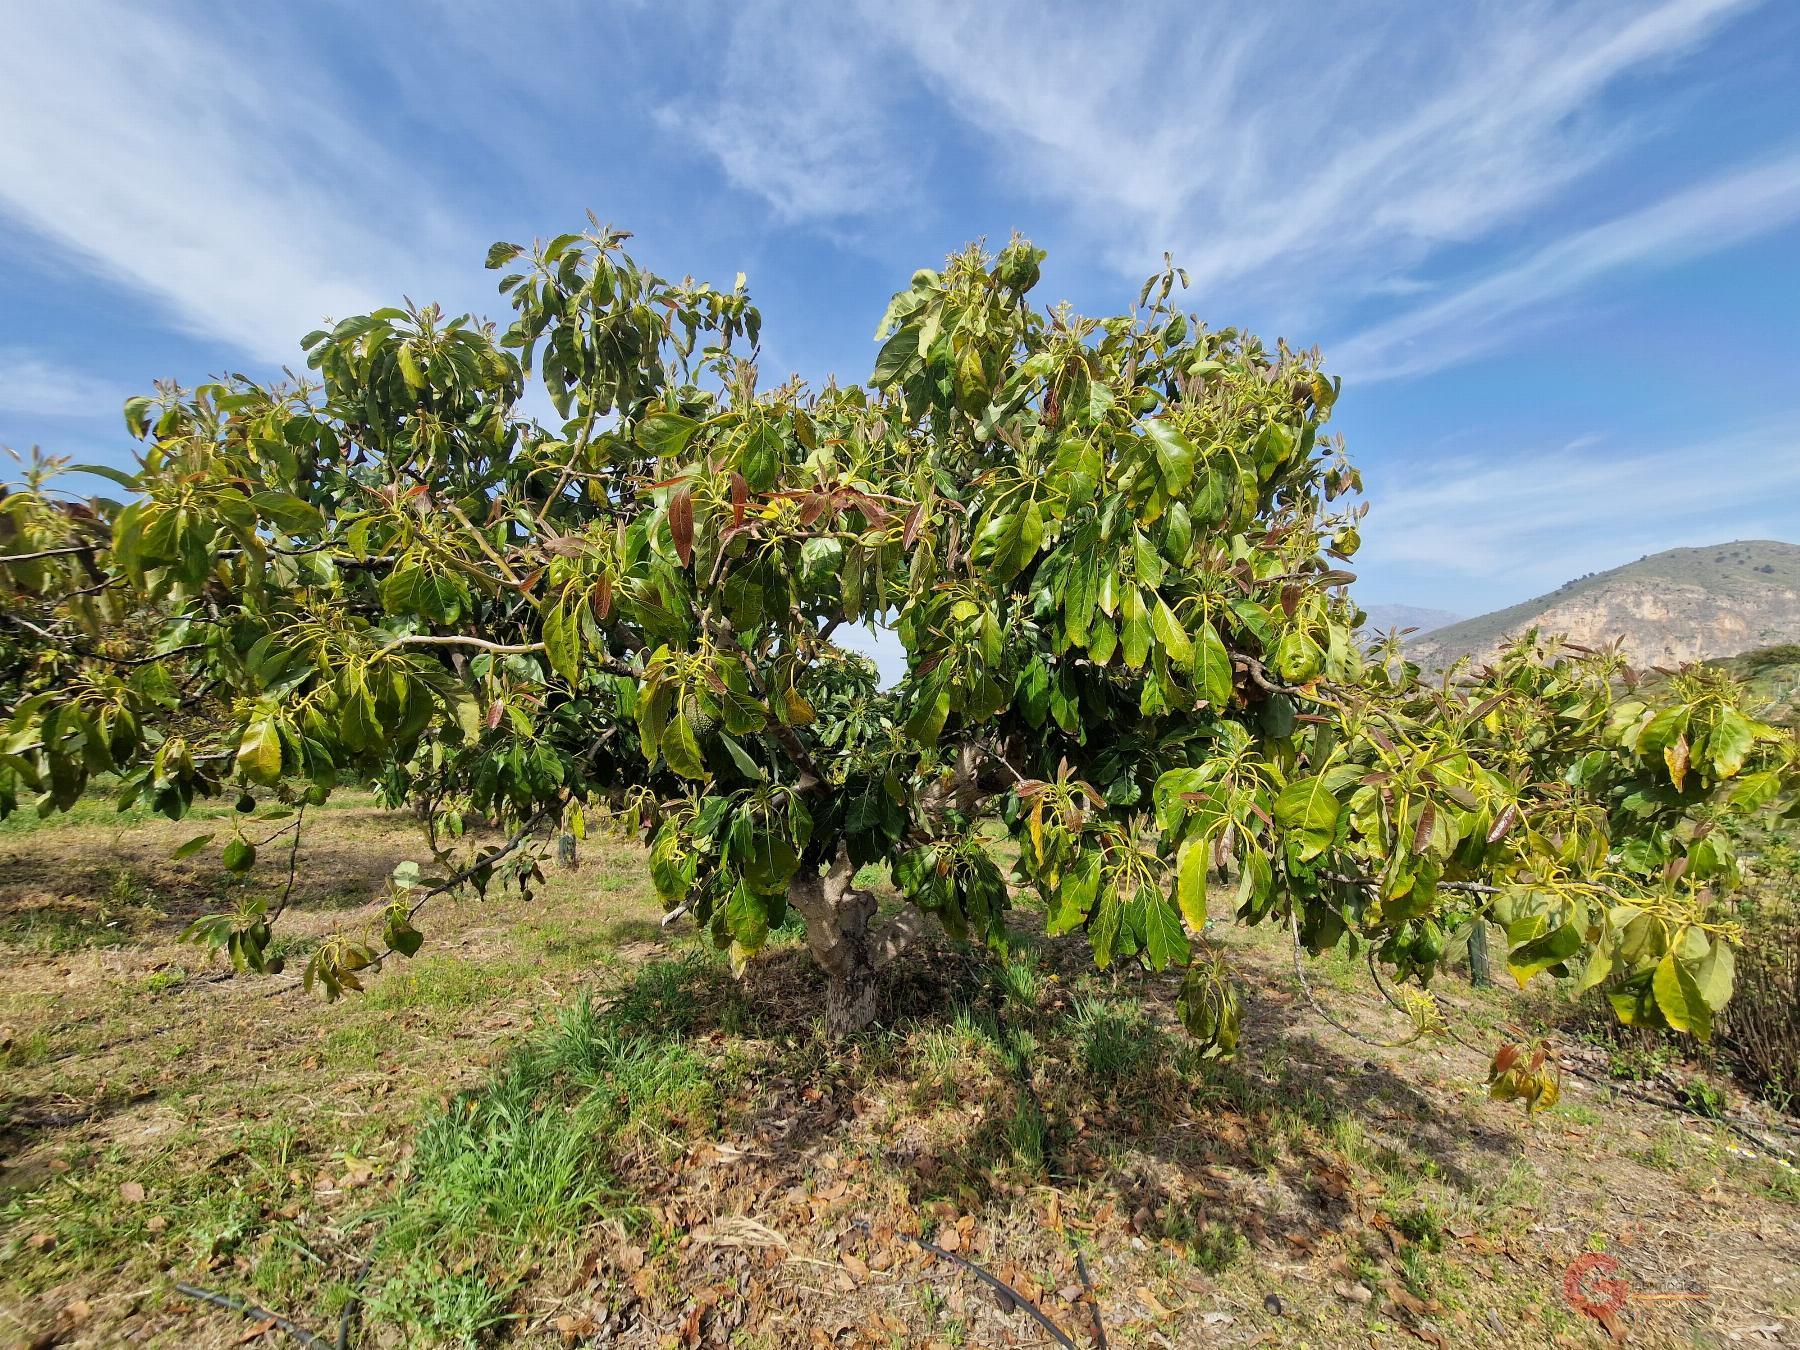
point(1113, 550)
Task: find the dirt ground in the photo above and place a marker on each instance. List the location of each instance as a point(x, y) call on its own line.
point(161, 1123)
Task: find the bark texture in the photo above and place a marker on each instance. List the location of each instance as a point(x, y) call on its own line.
point(841, 932)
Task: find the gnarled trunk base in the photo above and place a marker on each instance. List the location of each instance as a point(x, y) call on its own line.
point(842, 938)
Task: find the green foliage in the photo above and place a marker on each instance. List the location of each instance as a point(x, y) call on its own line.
point(1110, 548)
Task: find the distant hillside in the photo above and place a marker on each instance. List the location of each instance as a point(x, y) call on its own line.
point(1682, 605)
point(1384, 617)
point(1773, 676)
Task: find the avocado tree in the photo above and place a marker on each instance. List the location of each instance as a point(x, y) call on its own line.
point(1110, 548)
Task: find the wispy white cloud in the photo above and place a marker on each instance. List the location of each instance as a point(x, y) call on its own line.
point(196, 166)
point(1517, 522)
point(30, 384)
point(1261, 146)
point(800, 116)
point(1481, 315)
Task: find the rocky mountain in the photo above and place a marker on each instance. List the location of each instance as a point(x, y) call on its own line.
point(1381, 618)
point(1682, 605)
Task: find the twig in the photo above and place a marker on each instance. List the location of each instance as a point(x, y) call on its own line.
point(237, 1305)
point(457, 640)
point(86, 655)
point(1470, 887)
point(293, 858)
point(1319, 1008)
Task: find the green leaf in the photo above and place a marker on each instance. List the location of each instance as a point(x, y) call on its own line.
point(747, 918)
point(259, 752)
point(928, 720)
point(502, 253)
point(1170, 633)
point(1075, 895)
point(1679, 998)
point(137, 417)
point(1711, 963)
point(1103, 928)
point(899, 354)
point(666, 433)
point(562, 641)
point(1165, 942)
point(240, 855)
point(1730, 743)
point(400, 935)
point(1174, 455)
point(119, 476)
point(1213, 665)
point(741, 757)
point(1190, 883)
point(681, 749)
point(1134, 628)
point(762, 457)
point(192, 846)
point(1308, 811)
point(1539, 954)
point(288, 513)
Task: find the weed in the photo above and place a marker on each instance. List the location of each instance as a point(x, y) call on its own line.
point(1114, 1039)
point(1702, 1098)
point(1021, 984)
point(1216, 1247)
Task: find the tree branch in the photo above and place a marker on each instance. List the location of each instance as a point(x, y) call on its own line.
point(87, 655)
point(49, 553)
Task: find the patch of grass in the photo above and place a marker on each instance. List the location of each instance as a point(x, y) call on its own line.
point(1702, 1098)
point(158, 980)
point(512, 1172)
point(1021, 984)
point(25, 1049)
point(949, 1062)
point(120, 914)
point(1422, 1225)
point(1114, 1040)
point(1667, 1150)
point(1215, 1247)
point(442, 983)
point(669, 997)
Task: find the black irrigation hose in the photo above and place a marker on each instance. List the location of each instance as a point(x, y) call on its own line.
point(355, 1302)
point(239, 1306)
point(1013, 1298)
point(1093, 1301)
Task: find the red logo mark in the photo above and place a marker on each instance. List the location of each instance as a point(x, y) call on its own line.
point(1590, 1288)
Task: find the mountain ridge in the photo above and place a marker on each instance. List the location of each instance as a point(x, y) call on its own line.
point(1668, 608)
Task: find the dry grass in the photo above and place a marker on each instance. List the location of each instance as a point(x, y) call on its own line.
point(559, 1124)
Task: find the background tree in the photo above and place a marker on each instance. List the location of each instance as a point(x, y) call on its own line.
point(1110, 548)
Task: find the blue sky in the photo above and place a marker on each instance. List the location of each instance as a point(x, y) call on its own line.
point(1554, 249)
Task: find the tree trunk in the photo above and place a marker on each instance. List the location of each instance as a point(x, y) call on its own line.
point(839, 932)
